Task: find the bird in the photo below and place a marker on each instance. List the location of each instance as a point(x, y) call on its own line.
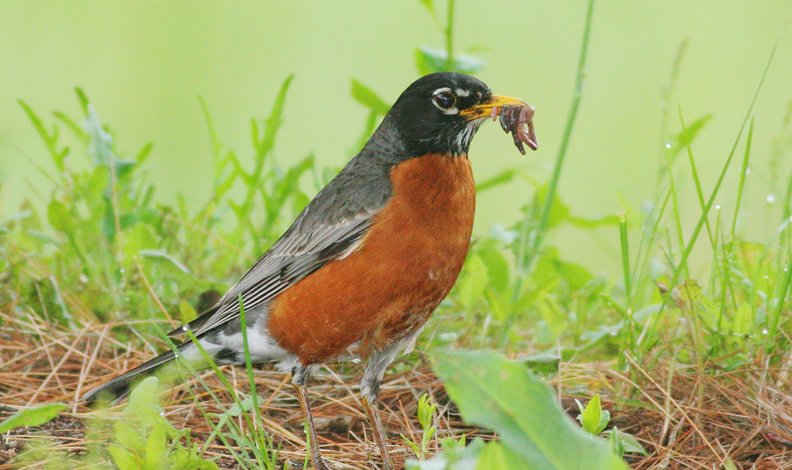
point(368, 260)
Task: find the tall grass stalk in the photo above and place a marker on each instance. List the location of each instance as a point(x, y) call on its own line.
point(663, 194)
point(537, 237)
point(677, 220)
point(625, 257)
point(566, 137)
point(728, 246)
point(697, 184)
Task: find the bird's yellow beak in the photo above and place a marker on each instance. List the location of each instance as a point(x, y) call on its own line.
point(490, 108)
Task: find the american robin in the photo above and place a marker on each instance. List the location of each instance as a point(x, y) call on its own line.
point(368, 260)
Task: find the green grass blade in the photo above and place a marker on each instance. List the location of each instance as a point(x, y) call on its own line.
point(741, 184)
point(34, 416)
point(782, 299)
point(566, 137)
point(705, 213)
point(625, 256)
point(696, 180)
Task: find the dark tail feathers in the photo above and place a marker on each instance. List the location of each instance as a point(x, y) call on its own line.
point(118, 388)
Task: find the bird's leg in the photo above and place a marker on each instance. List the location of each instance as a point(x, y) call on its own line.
point(379, 432)
point(316, 456)
point(299, 379)
point(369, 390)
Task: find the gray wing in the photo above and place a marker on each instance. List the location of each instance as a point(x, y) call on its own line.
point(330, 227)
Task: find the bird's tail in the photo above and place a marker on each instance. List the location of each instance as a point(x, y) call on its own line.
point(119, 387)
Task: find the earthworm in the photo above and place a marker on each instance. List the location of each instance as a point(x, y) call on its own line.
point(519, 121)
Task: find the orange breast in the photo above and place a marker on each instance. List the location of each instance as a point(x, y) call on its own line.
point(406, 264)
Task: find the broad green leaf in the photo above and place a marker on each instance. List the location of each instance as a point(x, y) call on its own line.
point(470, 289)
point(550, 267)
point(743, 319)
point(192, 462)
point(138, 239)
point(592, 417)
point(124, 169)
point(369, 98)
point(428, 60)
point(94, 187)
point(552, 311)
point(415, 448)
point(494, 181)
point(629, 444)
point(122, 458)
point(561, 213)
point(156, 447)
point(616, 443)
point(504, 396)
point(500, 304)
point(544, 362)
point(689, 133)
point(128, 434)
point(497, 266)
point(161, 255)
point(35, 416)
point(592, 222)
point(144, 153)
point(429, 5)
point(59, 217)
point(299, 201)
point(425, 411)
point(497, 456)
point(144, 401)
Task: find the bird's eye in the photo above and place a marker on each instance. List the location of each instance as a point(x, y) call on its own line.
point(444, 100)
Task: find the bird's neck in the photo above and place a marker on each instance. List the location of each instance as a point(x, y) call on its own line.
point(389, 145)
point(386, 145)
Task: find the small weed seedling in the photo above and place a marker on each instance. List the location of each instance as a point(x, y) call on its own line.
point(144, 439)
point(426, 417)
point(594, 420)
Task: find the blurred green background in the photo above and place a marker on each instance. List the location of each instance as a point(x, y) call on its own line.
point(145, 63)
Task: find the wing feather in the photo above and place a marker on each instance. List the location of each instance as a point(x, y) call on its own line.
point(331, 226)
point(285, 264)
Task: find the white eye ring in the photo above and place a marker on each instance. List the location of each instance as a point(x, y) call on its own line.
point(444, 100)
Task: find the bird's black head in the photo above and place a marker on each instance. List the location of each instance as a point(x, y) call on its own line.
point(440, 113)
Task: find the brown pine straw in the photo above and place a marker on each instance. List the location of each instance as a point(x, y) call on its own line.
point(683, 419)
